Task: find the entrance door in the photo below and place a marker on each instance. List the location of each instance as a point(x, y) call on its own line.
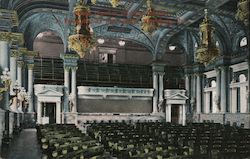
point(175, 114)
point(51, 112)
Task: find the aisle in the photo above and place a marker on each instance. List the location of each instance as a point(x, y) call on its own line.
point(25, 146)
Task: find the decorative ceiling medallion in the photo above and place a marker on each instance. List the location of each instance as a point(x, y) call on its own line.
point(82, 41)
point(207, 50)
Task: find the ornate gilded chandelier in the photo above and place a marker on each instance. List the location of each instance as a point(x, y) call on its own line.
point(243, 11)
point(149, 21)
point(82, 41)
point(114, 3)
point(207, 50)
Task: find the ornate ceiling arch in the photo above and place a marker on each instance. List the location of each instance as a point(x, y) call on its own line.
point(41, 22)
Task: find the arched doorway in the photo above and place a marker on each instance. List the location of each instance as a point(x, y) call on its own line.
point(48, 44)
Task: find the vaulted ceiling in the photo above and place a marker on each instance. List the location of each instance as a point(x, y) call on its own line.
point(174, 17)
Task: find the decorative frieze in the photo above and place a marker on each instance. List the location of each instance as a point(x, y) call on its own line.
point(82, 90)
point(5, 36)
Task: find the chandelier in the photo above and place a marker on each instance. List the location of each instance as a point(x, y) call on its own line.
point(114, 3)
point(149, 22)
point(207, 51)
point(82, 41)
point(243, 11)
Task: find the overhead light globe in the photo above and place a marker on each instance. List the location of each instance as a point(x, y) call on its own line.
point(122, 42)
point(100, 41)
point(172, 47)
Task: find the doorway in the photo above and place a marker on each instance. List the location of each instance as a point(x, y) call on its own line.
point(175, 114)
point(49, 110)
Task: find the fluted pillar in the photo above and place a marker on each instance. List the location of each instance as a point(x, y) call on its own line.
point(198, 93)
point(155, 97)
point(218, 89)
point(168, 113)
point(183, 114)
point(19, 72)
point(223, 91)
point(73, 89)
point(30, 87)
point(187, 84)
point(13, 69)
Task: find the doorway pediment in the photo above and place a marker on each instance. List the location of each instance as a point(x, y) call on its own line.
point(50, 93)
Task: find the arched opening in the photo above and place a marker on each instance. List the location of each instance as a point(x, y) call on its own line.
point(174, 51)
point(48, 44)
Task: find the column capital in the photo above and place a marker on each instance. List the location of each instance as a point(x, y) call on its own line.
point(31, 53)
point(66, 68)
point(5, 36)
point(20, 63)
point(30, 66)
point(74, 68)
point(14, 53)
point(17, 38)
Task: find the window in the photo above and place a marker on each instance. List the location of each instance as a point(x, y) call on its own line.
point(243, 42)
point(107, 58)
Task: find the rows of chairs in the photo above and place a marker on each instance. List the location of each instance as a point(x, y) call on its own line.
point(68, 142)
point(165, 140)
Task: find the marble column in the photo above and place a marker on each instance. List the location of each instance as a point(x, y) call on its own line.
point(4, 50)
point(155, 97)
point(218, 89)
point(161, 86)
point(248, 95)
point(30, 87)
point(39, 112)
point(183, 114)
point(58, 112)
point(198, 93)
point(243, 101)
point(223, 91)
point(234, 100)
point(187, 84)
point(207, 102)
point(4, 61)
point(19, 72)
point(13, 69)
point(168, 113)
point(66, 88)
point(73, 89)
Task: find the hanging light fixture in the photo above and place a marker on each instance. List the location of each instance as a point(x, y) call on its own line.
point(122, 42)
point(100, 41)
point(148, 21)
point(114, 3)
point(207, 50)
point(243, 11)
point(82, 41)
point(93, 1)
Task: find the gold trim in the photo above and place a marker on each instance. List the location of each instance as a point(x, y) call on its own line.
point(18, 38)
point(5, 36)
point(14, 53)
point(30, 66)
